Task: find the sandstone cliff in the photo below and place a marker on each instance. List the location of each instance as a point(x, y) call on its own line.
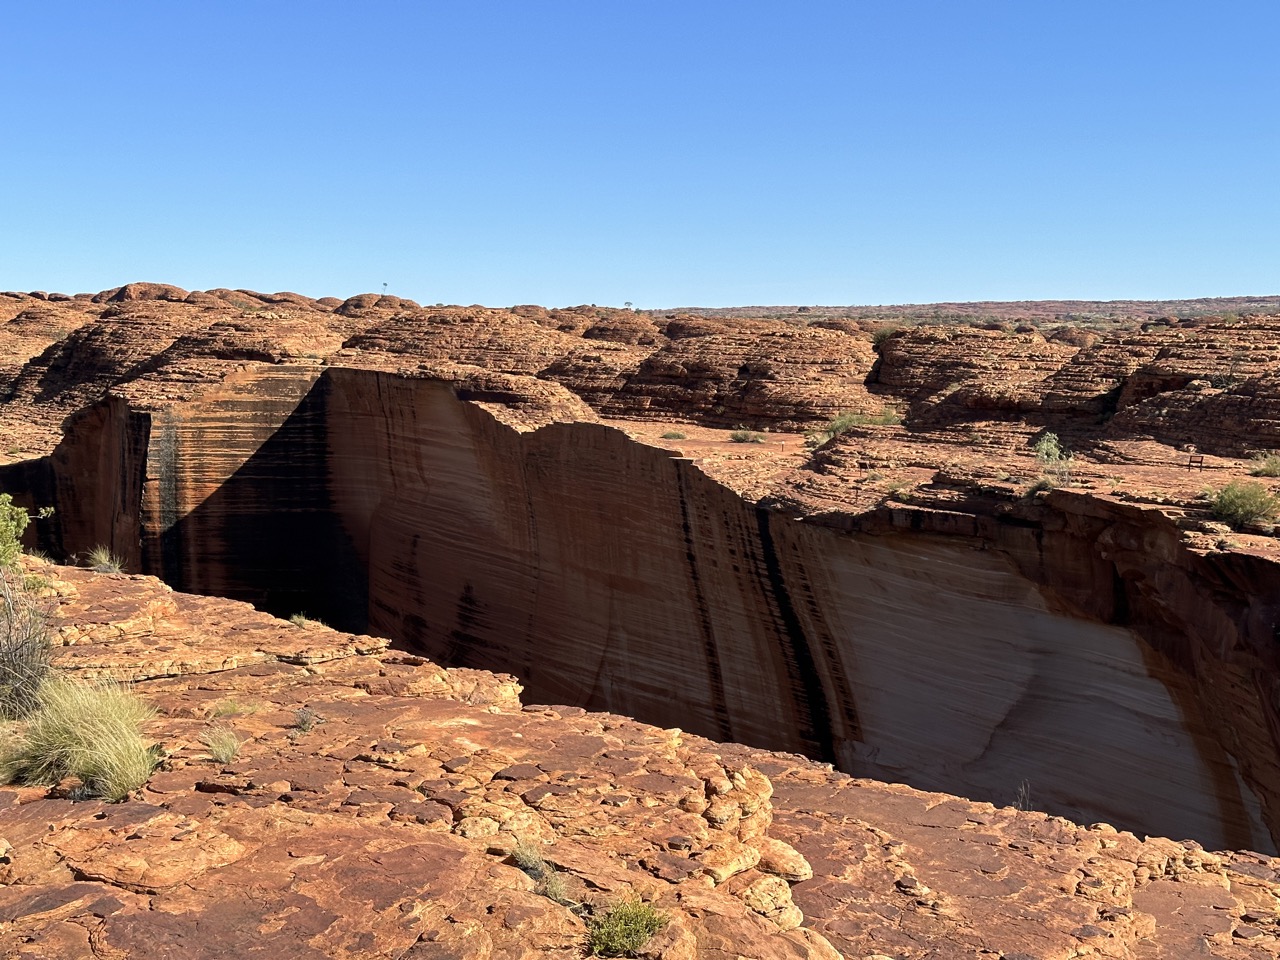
point(385, 825)
point(894, 603)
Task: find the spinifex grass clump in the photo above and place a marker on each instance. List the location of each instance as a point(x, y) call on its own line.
point(222, 742)
point(25, 649)
point(101, 560)
point(90, 731)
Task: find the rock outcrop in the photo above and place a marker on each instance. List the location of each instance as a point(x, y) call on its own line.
point(377, 802)
point(497, 489)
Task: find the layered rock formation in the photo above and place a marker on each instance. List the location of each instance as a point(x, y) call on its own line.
point(459, 480)
point(377, 800)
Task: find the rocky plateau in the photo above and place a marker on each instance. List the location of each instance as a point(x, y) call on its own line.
point(597, 580)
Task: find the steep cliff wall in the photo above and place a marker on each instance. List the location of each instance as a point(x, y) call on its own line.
point(955, 652)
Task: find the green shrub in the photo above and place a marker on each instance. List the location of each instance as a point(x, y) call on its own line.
point(302, 620)
point(25, 647)
point(623, 928)
point(222, 743)
point(13, 521)
point(1266, 465)
point(88, 731)
point(844, 422)
point(1242, 502)
point(102, 560)
point(1056, 459)
point(883, 333)
point(746, 436)
point(674, 435)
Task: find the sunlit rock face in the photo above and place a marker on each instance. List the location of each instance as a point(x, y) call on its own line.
point(611, 575)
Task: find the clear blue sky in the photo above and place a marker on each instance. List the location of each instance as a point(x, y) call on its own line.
point(665, 153)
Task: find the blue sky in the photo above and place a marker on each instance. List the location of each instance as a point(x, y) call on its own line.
point(664, 153)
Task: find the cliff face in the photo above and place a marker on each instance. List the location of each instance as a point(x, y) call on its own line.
point(1084, 654)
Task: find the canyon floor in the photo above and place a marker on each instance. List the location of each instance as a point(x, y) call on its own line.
point(384, 782)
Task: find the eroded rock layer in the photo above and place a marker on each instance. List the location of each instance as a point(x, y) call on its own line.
point(899, 602)
point(616, 576)
point(381, 806)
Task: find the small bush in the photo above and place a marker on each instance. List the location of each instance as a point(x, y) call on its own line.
point(13, 521)
point(1266, 465)
point(25, 647)
point(88, 731)
point(1242, 502)
point(844, 422)
point(101, 560)
point(674, 435)
point(302, 620)
point(222, 743)
point(623, 928)
point(1056, 460)
point(305, 719)
point(882, 334)
point(746, 436)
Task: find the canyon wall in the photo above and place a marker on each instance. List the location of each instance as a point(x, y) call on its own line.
point(958, 653)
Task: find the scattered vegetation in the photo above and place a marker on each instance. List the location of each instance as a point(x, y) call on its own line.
point(550, 883)
point(1022, 800)
point(305, 719)
point(843, 423)
point(623, 928)
point(88, 731)
point(1242, 502)
point(674, 435)
point(1056, 460)
point(1266, 465)
point(302, 620)
point(100, 559)
point(222, 742)
point(25, 648)
point(746, 436)
point(13, 521)
point(883, 333)
point(230, 707)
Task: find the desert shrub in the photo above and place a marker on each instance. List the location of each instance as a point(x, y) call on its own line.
point(25, 649)
point(674, 435)
point(844, 422)
point(100, 559)
point(746, 436)
point(305, 719)
point(1266, 465)
point(88, 731)
point(1055, 458)
point(550, 883)
point(222, 742)
point(623, 928)
point(13, 521)
point(1242, 502)
point(883, 333)
point(302, 620)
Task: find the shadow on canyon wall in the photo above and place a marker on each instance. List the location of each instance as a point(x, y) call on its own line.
point(609, 575)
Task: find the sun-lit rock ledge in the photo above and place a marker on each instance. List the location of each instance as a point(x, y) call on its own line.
point(386, 828)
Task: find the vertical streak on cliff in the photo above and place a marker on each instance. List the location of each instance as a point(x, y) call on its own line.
point(813, 714)
point(718, 703)
point(162, 464)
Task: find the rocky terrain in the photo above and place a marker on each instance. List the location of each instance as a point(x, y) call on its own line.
point(621, 510)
